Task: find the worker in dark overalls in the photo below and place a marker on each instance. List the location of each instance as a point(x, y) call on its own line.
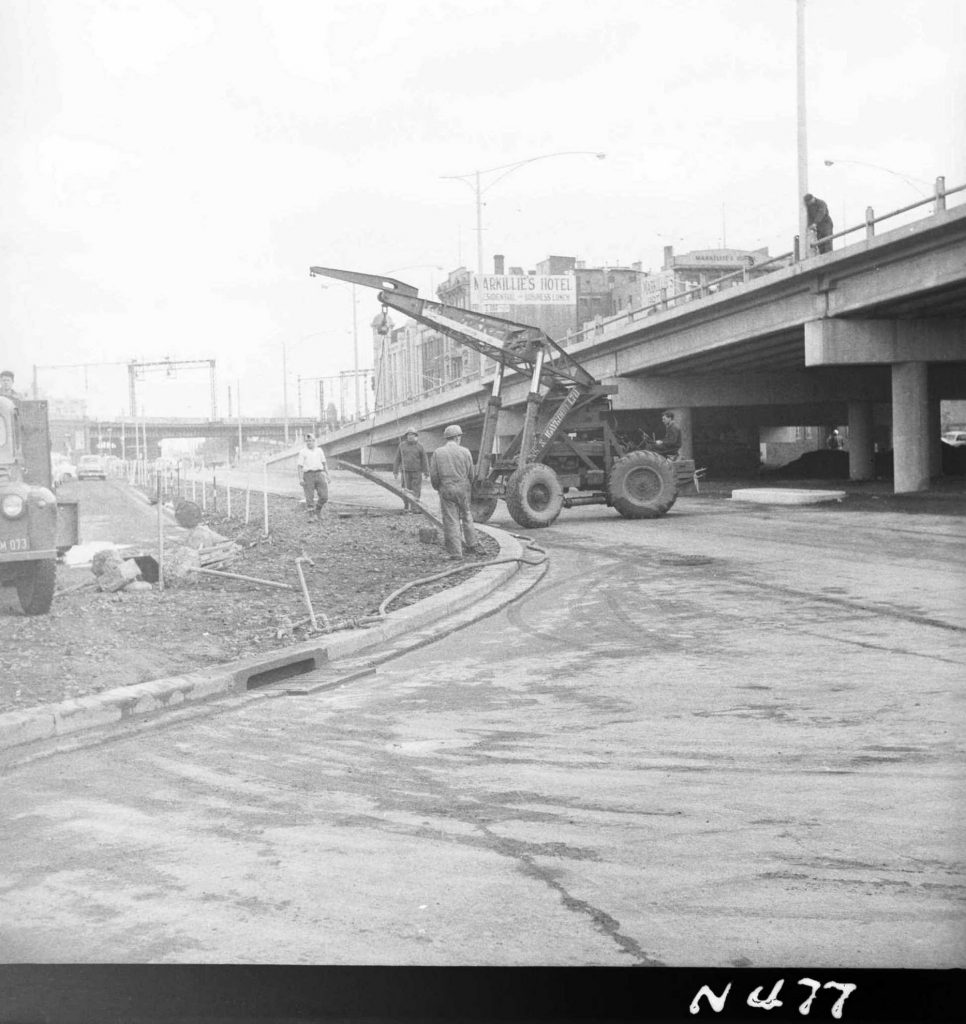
point(451, 474)
point(412, 463)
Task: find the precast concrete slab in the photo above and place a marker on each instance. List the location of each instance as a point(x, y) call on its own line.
point(785, 495)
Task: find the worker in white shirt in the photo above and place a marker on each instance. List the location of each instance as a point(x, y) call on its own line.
point(313, 476)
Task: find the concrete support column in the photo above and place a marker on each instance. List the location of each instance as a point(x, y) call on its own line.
point(861, 447)
point(682, 417)
point(935, 428)
point(910, 427)
point(376, 455)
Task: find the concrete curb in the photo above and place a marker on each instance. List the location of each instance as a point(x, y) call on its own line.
point(126, 703)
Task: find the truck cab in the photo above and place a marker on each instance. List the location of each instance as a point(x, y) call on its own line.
point(32, 533)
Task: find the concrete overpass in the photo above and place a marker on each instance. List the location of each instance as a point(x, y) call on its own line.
point(129, 438)
point(871, 335)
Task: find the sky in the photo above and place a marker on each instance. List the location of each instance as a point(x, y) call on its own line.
point(171, 168)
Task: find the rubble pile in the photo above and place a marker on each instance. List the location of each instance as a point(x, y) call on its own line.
point(203, 548)
point(114, 572)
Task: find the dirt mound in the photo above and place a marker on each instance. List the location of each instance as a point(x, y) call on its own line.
point(93, 641)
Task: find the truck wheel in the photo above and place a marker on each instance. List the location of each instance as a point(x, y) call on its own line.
point(642, 485)
point(534, 496)
point(36, 589)
point(482, 508)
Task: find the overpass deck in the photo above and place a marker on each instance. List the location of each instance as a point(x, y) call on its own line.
point(896, 298)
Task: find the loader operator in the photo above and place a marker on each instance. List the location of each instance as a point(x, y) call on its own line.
point(671, 444)
point(451, 473)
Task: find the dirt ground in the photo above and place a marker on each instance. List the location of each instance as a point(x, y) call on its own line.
point(93, 641)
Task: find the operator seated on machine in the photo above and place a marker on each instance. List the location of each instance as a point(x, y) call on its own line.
point(671, 444)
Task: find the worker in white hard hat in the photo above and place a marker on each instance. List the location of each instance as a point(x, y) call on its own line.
point(451, 474)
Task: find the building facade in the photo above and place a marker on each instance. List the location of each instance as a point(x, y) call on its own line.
point(561, 295)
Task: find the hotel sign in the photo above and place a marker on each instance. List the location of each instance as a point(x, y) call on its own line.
point(523, 290)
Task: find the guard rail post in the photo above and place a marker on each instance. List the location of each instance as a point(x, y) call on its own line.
point(869, 223)
point(940, 194)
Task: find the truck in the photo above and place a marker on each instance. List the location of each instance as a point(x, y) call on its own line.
point(36, 527)
point(568, 452)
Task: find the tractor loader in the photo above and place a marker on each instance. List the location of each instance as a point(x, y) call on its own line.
point(567, 452)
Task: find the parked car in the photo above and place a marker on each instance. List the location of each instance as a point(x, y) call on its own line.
point(91, 467)
point(956, 438)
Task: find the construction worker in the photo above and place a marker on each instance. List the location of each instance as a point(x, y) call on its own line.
point(313, 475)
point(413, 462)
point(451, 473)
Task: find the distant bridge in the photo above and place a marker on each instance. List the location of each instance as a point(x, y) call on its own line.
point(132, 438)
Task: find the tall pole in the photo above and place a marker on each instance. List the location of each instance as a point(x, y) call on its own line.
point(285, 390)
point(355, 349)
point(479, 232)
point(238, 404)
point(802, 132)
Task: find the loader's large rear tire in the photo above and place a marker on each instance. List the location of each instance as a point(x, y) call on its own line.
point(534, 496)
point(482, 508)
point(35, 588)
point(642, 485)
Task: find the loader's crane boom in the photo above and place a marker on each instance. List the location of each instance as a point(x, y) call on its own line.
point(514, 345)
point(566, 441)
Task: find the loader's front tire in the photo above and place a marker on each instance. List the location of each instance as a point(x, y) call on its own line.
point(534, 496)
point(642, 485)
point(35, 588)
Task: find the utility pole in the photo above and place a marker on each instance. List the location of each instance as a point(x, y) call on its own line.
point(136, 370)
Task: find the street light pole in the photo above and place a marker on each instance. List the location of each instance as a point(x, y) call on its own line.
point(479, 189)
point(908, 179)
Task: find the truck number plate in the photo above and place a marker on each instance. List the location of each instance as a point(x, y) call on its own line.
point(14, 544)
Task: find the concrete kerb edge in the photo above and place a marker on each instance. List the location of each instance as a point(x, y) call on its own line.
point(33, 725)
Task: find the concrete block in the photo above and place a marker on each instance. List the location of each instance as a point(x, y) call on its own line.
point(785, 496)
point(85, 713)
point(116, 577)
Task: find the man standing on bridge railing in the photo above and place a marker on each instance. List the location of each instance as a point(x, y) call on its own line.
point(818, 218)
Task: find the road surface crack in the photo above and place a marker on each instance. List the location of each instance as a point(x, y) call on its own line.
point(602, 921)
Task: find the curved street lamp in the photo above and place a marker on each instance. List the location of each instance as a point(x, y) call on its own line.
point(908, 179)
point(473, 180)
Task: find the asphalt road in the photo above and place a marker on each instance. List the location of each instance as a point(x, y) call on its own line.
point(733, 736)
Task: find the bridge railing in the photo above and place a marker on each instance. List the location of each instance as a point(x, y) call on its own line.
point(671, 298)
point(937, 199)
